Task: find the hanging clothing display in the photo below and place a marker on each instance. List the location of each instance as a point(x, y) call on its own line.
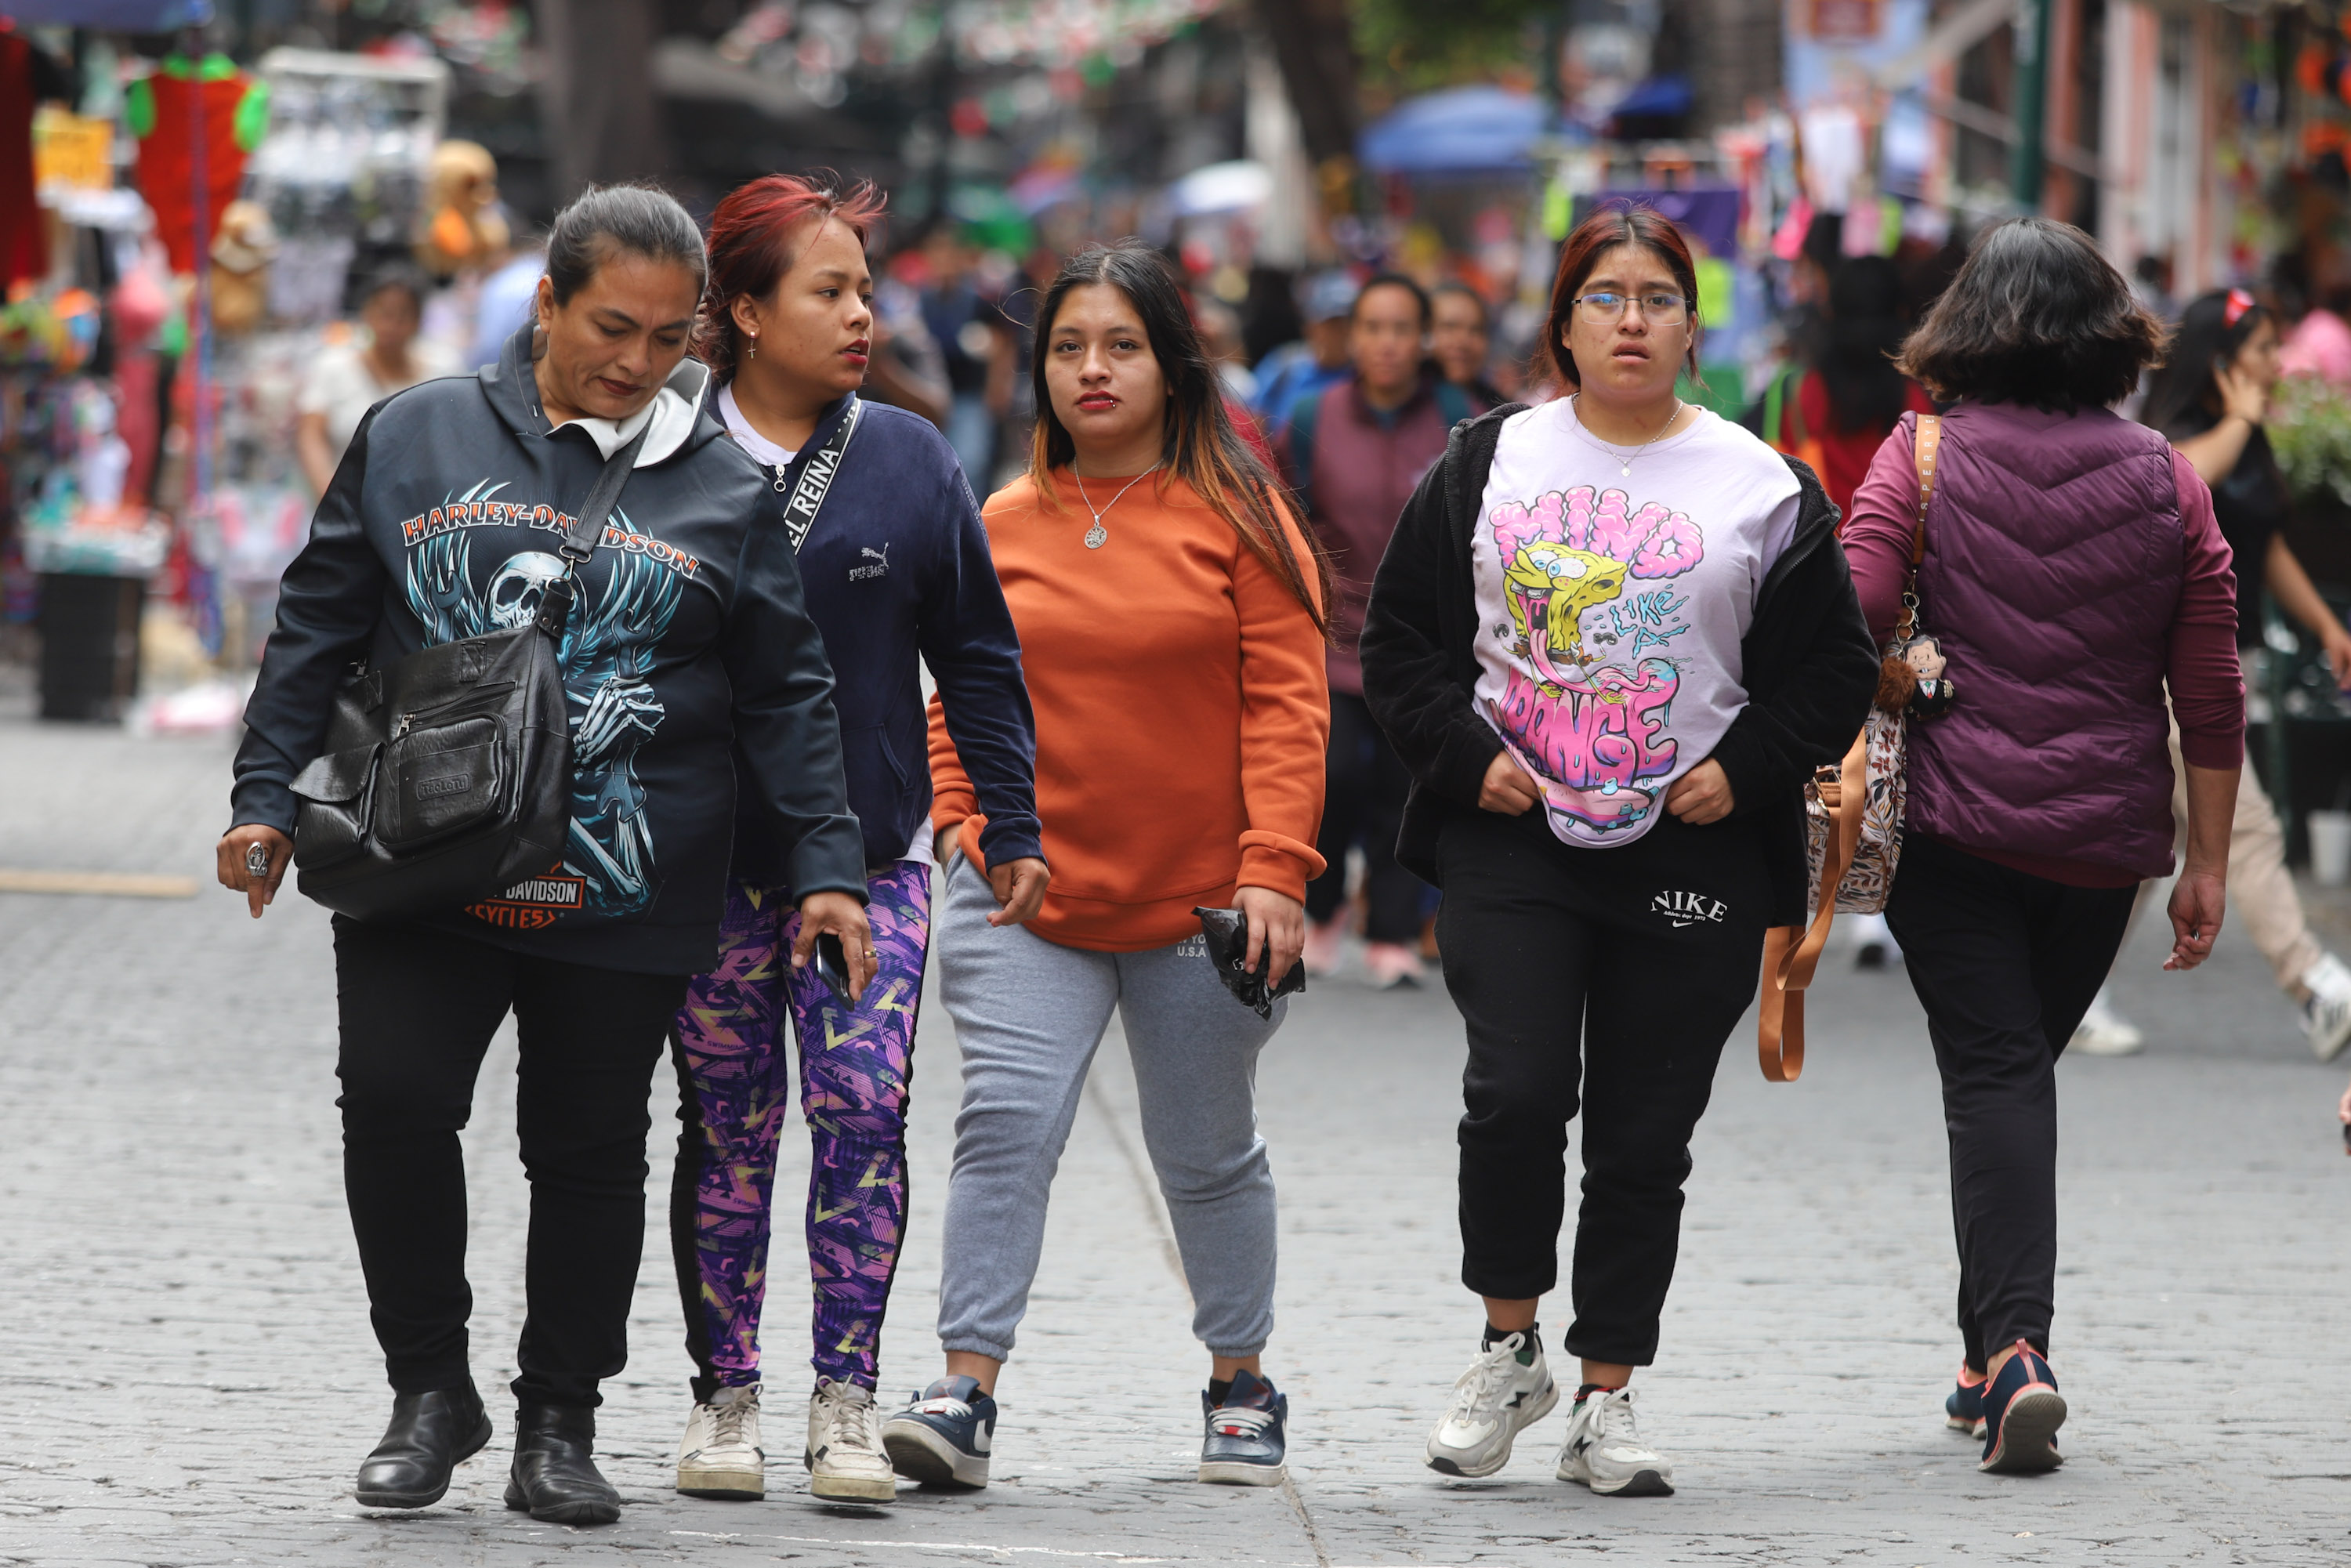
point(162, 111)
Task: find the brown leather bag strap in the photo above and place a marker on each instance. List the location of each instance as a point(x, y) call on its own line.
point(1924, 450)
point(1792, 954)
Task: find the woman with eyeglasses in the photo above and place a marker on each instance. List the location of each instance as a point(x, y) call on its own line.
point(1612, 639)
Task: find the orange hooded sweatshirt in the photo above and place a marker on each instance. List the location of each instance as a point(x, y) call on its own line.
point(1182, 712)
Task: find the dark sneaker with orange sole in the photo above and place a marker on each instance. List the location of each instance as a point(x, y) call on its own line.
point(2022, 1411)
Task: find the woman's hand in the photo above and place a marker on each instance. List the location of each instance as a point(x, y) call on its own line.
point(2243, 394)
point(945, 841)
point(1702, 795)
point(844, 917)
point(1507, 788)
point(260, 890)
point(2343, 1114)
point(2337, 643)
point(1277, 926)
point(1019, 888)
point(2196, 904)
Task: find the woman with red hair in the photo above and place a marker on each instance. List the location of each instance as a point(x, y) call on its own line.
point(896, 569)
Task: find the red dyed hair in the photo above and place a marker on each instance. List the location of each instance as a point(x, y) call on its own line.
point(1618, 223)
point(753, 235)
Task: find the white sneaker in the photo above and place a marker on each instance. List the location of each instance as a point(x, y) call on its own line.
point(2327, 1016)
point(844, 1455)
point(1493, 1402)
point(1392, 966)
point(1604, 1451)
point(1326, 946)
point(720, 1455)
point(2106, 1032)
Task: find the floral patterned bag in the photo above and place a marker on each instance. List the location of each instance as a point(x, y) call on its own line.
point(1853, 812)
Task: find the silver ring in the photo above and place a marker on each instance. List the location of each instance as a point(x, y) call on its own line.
point(257, 859)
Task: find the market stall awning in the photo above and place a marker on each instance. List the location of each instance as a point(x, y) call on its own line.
point(110, 15)
point(1462, 131)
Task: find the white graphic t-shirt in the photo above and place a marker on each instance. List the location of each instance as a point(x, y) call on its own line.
point(1611, 605)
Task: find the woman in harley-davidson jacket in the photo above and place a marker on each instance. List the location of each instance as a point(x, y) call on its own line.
point(687, 644)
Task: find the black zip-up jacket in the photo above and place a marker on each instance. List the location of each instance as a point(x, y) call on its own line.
point(688, 644)
point(1807, 663)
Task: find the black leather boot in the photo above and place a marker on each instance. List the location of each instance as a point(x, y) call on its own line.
point(555, 1475)
point(429, 1436)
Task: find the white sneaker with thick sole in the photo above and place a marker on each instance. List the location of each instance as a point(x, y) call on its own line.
point(2327, 1016)
point(1493, 1402)
point(720, 1455)
point(1604, 1450)
point(2106, 1032)
point(844, 1455)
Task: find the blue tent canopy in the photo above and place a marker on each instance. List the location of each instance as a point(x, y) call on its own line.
point(1462, 131)
point(109, 16)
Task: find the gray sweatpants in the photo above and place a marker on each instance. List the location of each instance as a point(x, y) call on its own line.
point(1029, 1014)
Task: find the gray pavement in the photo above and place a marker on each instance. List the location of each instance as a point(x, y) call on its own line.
point(186, 1374)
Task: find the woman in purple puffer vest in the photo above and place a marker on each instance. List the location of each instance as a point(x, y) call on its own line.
point(2073, 569)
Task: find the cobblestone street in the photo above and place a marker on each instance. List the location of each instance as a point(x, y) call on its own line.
point(187, 1376)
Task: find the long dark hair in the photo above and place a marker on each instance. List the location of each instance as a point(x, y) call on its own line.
point(2183, 395)
point(1867, 393)
point(2037, 316)
point(1200, 444)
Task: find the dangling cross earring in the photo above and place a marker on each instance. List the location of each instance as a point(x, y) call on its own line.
point(755, 345)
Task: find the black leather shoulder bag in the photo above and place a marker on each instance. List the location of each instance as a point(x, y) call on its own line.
point(447, 774)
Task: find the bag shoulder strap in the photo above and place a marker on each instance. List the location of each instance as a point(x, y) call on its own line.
point(1305, 413)
point(587, 530)
point(816, 473)
point(1791, 953)
point(1925, 448)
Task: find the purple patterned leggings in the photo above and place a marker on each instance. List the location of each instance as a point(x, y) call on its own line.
point(734, 1080)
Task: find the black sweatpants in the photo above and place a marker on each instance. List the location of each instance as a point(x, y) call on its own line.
point(1604, 980)
point(418, 1010)
point(1364, 787)
point(2005, 964)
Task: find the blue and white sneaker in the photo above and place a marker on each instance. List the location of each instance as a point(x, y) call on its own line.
point(1245, 1443)
point(944, 1437)
point(1963, 1407)
point(2022, 1411)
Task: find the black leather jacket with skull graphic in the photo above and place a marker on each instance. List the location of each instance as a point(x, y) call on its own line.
point(688, 642)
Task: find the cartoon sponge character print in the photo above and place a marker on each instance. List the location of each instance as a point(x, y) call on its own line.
point(1590, 721)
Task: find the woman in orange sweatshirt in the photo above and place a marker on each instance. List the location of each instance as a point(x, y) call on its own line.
point(1171, 623)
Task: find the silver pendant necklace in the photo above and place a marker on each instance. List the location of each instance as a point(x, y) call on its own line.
point(1624, 460)
point(1097, 536)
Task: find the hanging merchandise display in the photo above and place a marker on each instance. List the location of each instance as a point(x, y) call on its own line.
point(23, 252)
point(461, 224)
point(163, 110)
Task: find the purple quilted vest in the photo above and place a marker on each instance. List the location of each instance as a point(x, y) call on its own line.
point(2051, 573)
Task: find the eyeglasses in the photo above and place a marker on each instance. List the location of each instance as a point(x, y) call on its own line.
point(1663, 310)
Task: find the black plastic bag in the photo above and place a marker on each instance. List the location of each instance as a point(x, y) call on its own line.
point(1227, 931)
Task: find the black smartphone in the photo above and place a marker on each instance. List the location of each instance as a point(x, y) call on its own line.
point(832, 968)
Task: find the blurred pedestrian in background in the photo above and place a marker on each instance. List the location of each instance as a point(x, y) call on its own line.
point(346, 379)
point(1354, 453)
point(1171, 630)
point(1461, 342)
point(1835, 411)
point(1614, 833)
point(970, 333)
point(896, 567)
point(1325, 355)
point(2212, 400)
point(677, 652)
point(2044, 797)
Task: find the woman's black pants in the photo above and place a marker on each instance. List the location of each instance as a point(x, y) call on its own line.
point(2005, 963)
point(418, 1010)
point(1605, 979)
point(1365, 789)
